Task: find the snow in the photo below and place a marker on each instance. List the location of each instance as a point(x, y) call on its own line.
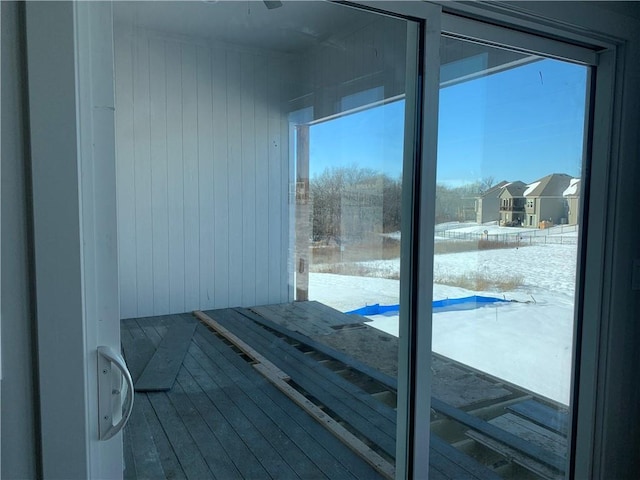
point(527, 342)
point(572, 189)
point(530, 188)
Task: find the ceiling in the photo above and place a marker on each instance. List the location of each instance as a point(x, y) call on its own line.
point(291, 28)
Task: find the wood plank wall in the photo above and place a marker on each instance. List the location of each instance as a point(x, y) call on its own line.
point(202, 175)
point(203, 159)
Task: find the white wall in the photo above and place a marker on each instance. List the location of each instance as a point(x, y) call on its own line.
point(203, 158)
point(202, 171)
point(18, 399)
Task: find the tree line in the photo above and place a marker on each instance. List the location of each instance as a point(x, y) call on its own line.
point(345, 196)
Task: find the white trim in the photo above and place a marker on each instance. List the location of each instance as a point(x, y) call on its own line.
point(519, 16)
point(57, 239)
point(584, 459)
point(515, 40)
point(70, 87)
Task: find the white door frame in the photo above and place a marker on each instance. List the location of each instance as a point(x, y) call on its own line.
point(71, 106)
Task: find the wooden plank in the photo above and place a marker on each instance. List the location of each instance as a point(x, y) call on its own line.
point(456, 464)
point(183, 445)
point(309, 371)
point(329, 454)
point(548, 417)
point(332, 316)
point(244, 347)
point(159, 180)
point(206, 202)
point(248, 180)
point(268, 419)
point(263, 220)
point(189, 133)
point(142, 175)
point(146, 460)
point(220, 178)
point(211, 449)
point(175, 174)
point(127, 452)
point(232, 443)
point(348, 360)
point(198, 365)
point(168, 460)
point(523, 428)
point(517, 457)
point(161, 371)
point(375, 460)
point(277, 315)
point(235, 193)
point(493, 432)
point(137, 353)
point(278, 202)
point(272, 374)
point(373, 419)
point(281, 351)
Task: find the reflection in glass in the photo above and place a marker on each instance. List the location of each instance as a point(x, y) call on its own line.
point(510, 153)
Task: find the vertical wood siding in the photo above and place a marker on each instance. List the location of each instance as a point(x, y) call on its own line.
point(202, 159)
point(202, 176)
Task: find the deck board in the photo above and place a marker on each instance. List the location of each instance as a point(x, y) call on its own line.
point(257, 412)
point(233, 443)
point(223, 419)
point(297, 429)
point(372, 419)
point(160, 372)
point(321, 347)
point(547, 417)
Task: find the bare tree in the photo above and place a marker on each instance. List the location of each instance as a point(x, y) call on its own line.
point(486, 183)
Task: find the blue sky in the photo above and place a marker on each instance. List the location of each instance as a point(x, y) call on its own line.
point(520, 124)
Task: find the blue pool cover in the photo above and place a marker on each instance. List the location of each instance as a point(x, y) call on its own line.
point(448, 304)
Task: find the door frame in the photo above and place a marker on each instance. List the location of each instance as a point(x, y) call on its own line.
point(71, 110)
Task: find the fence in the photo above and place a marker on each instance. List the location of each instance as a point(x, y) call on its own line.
point(554, 235)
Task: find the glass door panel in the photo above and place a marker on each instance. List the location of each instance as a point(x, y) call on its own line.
point(509, 184)
point(260, 149)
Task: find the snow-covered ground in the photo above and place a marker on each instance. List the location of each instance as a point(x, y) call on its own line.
point(528, 344)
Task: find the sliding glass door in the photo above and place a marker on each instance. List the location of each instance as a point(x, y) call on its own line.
point(509, 189)
point(378, 226)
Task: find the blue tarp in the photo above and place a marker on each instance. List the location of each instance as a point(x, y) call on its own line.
point(465, 303)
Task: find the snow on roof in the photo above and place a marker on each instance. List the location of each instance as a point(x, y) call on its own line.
point(530, 188)
point(572, 189)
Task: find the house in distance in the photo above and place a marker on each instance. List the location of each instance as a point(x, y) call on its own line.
point(551, 200)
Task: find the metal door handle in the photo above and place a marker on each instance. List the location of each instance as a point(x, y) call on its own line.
point(109, 405)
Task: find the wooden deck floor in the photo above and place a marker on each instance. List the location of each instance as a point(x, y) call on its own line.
point(223, 419)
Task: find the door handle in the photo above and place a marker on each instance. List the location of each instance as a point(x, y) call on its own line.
point(110, 384)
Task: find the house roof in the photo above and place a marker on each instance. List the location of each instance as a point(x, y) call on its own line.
point(515, 189)
point(550, 186)
point(495, 190)
point(573, 190)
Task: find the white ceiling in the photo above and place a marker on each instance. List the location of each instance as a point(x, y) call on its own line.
point(293, 27)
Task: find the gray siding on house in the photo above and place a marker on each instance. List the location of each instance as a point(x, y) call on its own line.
point(552, 209)
point(202, 165)
point(573, 203)
point(18, 400)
